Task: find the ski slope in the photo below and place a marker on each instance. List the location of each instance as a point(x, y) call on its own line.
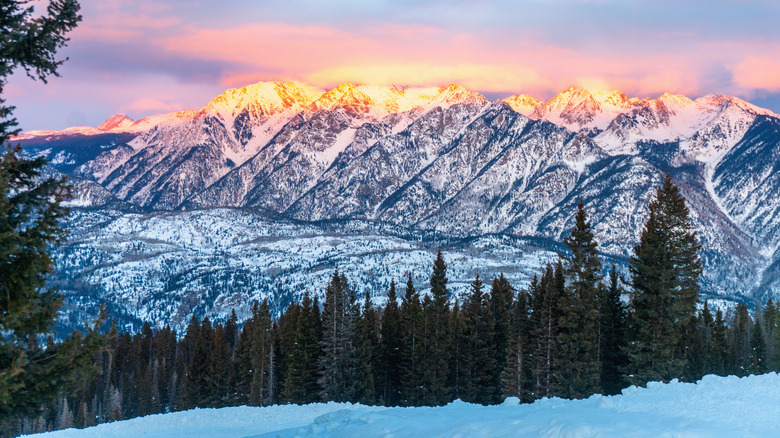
point(713, 407)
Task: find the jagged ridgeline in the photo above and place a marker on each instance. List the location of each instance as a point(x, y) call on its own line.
point(263, 191)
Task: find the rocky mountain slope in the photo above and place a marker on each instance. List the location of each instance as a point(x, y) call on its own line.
point(447, 162)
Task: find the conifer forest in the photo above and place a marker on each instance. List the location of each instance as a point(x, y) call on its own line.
point(579, 328)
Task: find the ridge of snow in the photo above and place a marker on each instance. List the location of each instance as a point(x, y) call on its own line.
point(713, 407)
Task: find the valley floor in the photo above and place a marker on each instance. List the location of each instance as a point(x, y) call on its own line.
point(712, 407)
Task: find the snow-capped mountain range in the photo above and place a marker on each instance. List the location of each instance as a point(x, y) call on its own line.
point(448, 161)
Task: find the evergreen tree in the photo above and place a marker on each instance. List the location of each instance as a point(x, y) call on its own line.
point(720, 345)
point(740, 342)
point(516, 373)
point(220, 365)
point(612, 330)
point(391, 349)
point(756, 360)
point(478, 364)
point(30, 215)
point(368, 354)
point(436, 339)
point(196, 390)
point(338, 360)
point(665, 271)
point(458, 359)
point(501, 300)
point(412, 349)
point(301, 385)
point(578, 340)
point(548, 300)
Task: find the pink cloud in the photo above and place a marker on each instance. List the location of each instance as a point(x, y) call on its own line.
point(425, 55)
point(151, 105)
point(758, 73)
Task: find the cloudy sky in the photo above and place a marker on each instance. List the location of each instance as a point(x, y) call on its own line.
point(144, 57)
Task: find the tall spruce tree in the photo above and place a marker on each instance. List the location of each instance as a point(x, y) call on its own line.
point(578, 339)
point(665, 271)
point(368, 354)
point(437, 338)
point(756, 360)
point(516, 373)
point(612, 334)
point(338, 368)
point(500, 302)
point(300, 385)
point(391, 349)
point(478, 365)
point(548, 301)
point(30, 215)
point(412, 347)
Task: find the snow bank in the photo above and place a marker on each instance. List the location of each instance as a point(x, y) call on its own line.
point(713, 407)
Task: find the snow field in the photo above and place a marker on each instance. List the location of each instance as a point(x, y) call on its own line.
point(712, 407)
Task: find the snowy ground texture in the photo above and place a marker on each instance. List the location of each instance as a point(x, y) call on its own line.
point(713, 407)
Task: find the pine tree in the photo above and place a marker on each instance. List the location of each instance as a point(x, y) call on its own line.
point(338, 360)
point(549, 298)
point(578, 339)
point(391, 349)
point(368, 357)
point(612, 330)
point(500, 302)
point(436, 339)
point(478, 364)
point(412, 349)
point(720, 345)
point(30, 213)
point(665, 271)
point(195, 384)
point(300, 385)
point(756, 360)
point(220, 364)
point(458, 372)
point(516, 373)
point(739, 350)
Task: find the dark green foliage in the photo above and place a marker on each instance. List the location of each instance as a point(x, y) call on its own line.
point(412, 347)
point(665, 272)
point(196, 391)
point(30, 40)
point(612, 334)
point(756, 360)
point(578, 338)
point(740, 342)
point(367, 381)
point(478, 361)
point(516, 375)
point(500, 303)
point(30, 215)
point(391, 346)
point(300, 385)
point(436, 338)
point(338, 367)
point(549, 298)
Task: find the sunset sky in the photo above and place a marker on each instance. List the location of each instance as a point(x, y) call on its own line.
point(144, 57)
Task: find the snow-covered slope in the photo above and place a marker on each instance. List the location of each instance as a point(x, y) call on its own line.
point(713, 407)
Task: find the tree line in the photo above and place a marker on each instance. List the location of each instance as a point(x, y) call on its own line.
point(570, 333)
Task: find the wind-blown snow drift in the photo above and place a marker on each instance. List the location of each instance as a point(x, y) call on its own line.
point(713, 407)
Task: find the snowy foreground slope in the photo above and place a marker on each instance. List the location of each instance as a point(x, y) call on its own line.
point(713, 407)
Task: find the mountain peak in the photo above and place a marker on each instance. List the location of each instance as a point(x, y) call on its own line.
point(270, 97)
point(116, 121)
point(522, 103)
